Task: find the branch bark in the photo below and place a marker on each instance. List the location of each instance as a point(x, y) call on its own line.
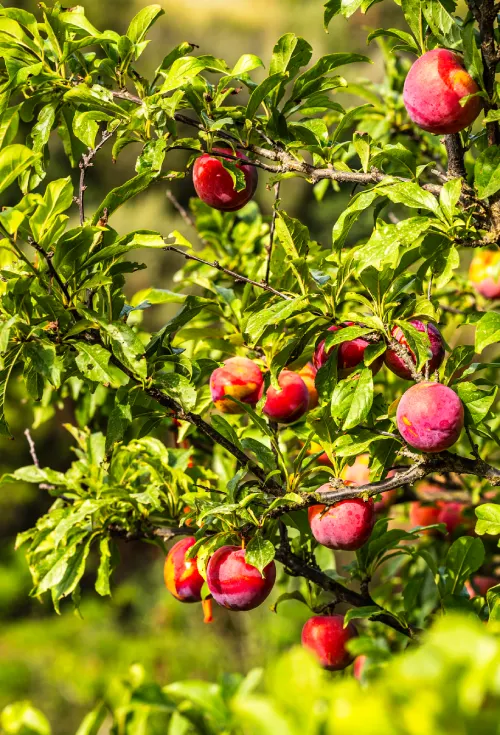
point(455, 151)
point(85, 163)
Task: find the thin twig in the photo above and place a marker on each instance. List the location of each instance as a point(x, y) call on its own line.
point(32, 448)
point(48, 259)
point(232, 274)
point(272, 230)
point(85, 163)
point(34, 457)
point(186, 216)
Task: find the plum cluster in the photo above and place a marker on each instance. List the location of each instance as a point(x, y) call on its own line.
point(441, 98)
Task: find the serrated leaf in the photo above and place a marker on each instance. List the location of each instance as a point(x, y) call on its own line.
point(362, 400)
point(487, 330)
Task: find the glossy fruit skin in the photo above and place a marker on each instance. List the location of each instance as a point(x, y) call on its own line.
point(326, 637)
point(234, 583)
point(308, 375)
point(182, 577)
point(345, 526)
point(480, 584)
point(396, 364)
point(290, 402)
point(433, 88)
point(430, 416)
point(359, 474)
point(214, 185)
point(350, 354)
point(239, 377)
point(484, 273)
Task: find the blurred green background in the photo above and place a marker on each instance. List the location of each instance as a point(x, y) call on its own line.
point(63, 664)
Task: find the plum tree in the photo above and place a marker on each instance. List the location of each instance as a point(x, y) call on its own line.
point(265, 382)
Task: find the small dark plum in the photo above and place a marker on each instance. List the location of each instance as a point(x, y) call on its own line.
point(326, 637)
point(397, 365)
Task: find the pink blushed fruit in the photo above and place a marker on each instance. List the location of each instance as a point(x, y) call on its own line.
point(290, 402)
point(346, 526)
point(326, 637)
point(239, 377)
point(214, 184)
point(480, 584)
point(433, 88)
point(234, 583)
point(308, 375)
point(430, 417)
point(396, 364)
point(484, 273)
point(182, 577)
point(350, 354)
point(358, 667)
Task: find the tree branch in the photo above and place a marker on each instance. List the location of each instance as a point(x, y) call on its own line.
point(298, 567)
point(85, 163)
point(186, 216)
point(455, 151)
point(232, 274)
point(287, 163)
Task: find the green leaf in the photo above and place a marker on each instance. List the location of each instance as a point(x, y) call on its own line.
point(477, 401)
point(488, 519)
point(93, 362)
point(58, 198)
point(179, 388)
point(192, 307)
point(127, 348)
point(487, 172)
point(412, 10)
point(260, 93)
point(123, 193)
point(142, 22)
point(14, 160)
point(487, 330)
point(274, 315)
point(259, 553)
point(362, 400)
point(86, 125)
point(449, 197)
point(464, 557)
point(93, 721)
point(245, 63)
point(183, 70)
point(9, 123)
point(359, 203)
point(493, 600)
point(370, 611)
point(21, 718)
point(411, 195)
point(97, 98)
point(105, 567)
point(307, 82)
